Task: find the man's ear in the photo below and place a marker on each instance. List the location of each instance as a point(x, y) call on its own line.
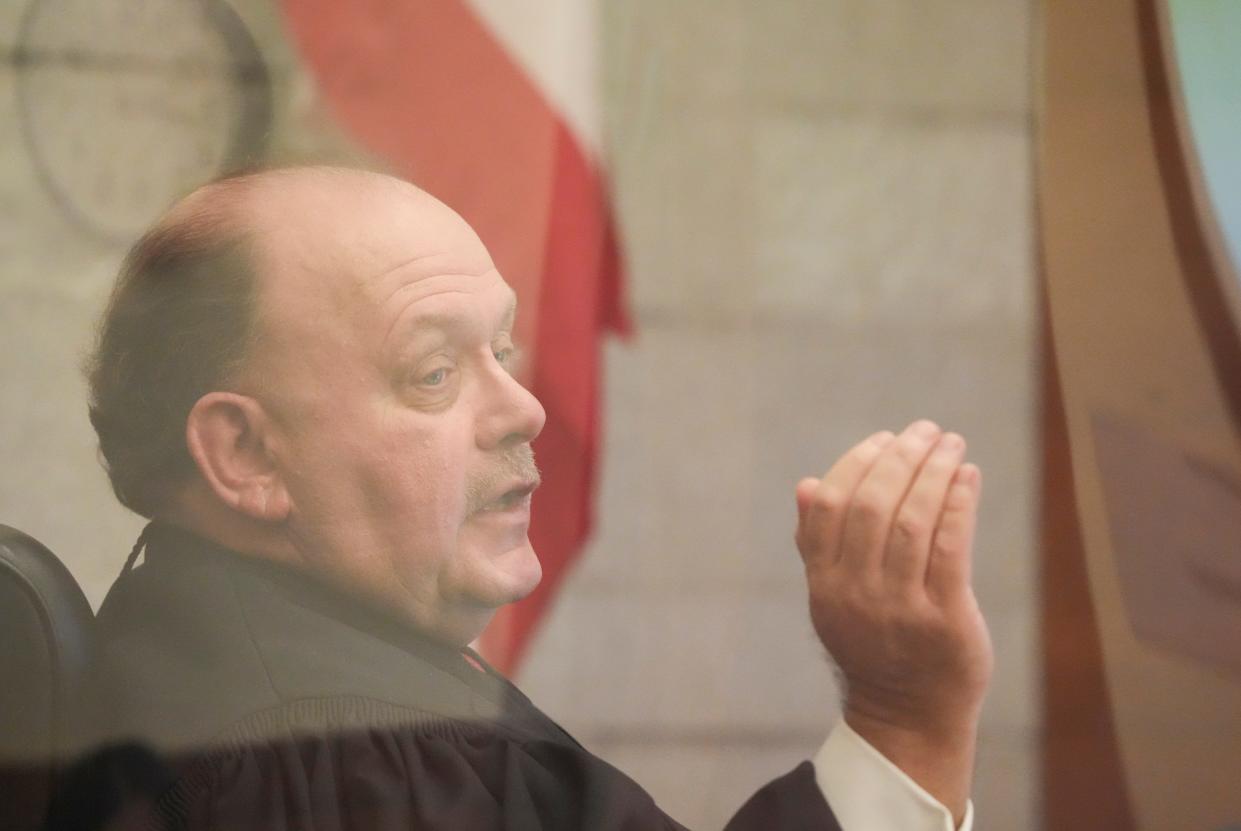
point(227, 437)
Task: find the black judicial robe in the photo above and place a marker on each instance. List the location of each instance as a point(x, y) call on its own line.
point(279, 703)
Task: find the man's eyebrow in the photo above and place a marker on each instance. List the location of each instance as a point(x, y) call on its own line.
point(428, 323)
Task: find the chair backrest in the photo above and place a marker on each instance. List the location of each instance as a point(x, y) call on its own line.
point(45, 653)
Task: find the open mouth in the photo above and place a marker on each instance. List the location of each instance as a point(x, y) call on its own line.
point(515, 497)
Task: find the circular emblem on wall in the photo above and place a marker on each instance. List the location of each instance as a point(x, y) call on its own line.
point(127, 104)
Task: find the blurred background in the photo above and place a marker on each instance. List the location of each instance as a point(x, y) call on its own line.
point(826, 214)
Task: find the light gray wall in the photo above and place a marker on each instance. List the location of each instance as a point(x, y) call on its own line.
point(827, 211)
point(52, 281)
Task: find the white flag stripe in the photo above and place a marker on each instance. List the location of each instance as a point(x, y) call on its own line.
point(556, 42)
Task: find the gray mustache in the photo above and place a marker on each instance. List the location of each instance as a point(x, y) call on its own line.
point(511, 464)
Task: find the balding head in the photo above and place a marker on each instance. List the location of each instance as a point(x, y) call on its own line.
point(185, 310)
point(324, 239)
point(326, 354)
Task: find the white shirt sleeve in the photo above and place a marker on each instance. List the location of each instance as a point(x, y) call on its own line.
point(867, 792)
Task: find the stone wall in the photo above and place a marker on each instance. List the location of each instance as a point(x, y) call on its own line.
point(828, 214)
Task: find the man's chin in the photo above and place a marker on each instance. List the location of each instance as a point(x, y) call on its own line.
point(484, 594)
point(515, 575)
point(491, 579)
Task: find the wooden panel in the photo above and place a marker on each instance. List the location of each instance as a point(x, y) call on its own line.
point(1136, 347)
point(1083, 786)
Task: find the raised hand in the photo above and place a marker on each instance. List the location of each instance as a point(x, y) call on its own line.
point(886, 537)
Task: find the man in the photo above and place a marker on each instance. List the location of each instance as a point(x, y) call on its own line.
point(305, 378)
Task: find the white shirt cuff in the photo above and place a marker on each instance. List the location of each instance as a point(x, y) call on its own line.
point(867, 792)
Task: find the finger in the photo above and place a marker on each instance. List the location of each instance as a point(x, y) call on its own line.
point(804, 494)
point(877, 496)
point(823, 514)
point(949, 570)
point(908, 545)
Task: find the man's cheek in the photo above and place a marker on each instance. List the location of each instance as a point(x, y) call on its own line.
point(429, 503)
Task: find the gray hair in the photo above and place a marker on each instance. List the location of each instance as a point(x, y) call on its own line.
point(178, 325)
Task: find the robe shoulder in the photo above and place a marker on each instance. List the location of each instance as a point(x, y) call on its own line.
point(380, 768)
point(793, 802)
point(372, 766)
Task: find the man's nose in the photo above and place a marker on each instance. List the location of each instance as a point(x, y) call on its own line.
point(512, 415)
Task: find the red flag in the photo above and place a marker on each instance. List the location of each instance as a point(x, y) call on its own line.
point(488, 107)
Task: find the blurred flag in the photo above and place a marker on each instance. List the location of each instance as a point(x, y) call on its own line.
point(491, 105)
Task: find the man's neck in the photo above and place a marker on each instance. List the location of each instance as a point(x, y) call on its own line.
point(198, 511)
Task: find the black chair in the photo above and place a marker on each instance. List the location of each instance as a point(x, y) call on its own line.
point(45, 653)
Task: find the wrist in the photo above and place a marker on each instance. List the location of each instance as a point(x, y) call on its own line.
point(932, 727)
point(937, 755)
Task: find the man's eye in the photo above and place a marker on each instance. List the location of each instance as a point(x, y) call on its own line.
point(503, 356)
point(434, 379)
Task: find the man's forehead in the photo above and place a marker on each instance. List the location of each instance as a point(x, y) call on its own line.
point(439, 262)
point(482, 313)
point(349, 231)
